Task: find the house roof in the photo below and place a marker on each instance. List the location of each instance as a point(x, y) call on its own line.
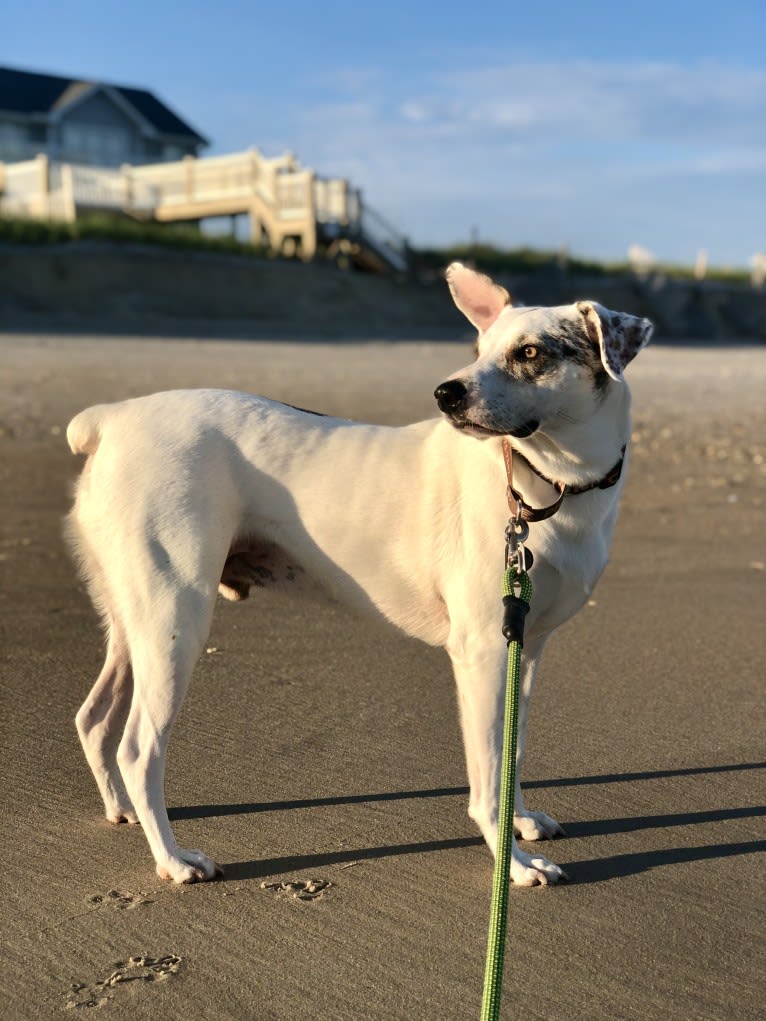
point(29, 93)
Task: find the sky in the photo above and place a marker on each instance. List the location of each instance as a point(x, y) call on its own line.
point(596, 125)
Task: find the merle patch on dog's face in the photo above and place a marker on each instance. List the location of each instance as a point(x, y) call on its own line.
point(534, 366)
point(535, 355)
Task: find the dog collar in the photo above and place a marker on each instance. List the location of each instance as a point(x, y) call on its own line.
point(519, 507)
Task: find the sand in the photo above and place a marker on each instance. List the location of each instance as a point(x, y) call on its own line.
point(317, 749)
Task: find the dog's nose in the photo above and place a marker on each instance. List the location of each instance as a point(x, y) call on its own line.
point(451, 396)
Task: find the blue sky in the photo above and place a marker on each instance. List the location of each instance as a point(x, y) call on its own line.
point(598, 125)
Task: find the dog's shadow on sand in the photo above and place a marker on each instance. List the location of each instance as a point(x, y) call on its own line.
point(596, 870)
point(257, 869)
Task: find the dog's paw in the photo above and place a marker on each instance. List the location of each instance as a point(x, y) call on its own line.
point(536, 826)
point(189, 867)
point(529, 870)
point(118, 807)
point(122, 815)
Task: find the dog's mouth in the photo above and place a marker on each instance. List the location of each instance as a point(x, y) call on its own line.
point(520, 432)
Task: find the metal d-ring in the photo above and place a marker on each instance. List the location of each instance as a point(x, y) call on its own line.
point(521, 529)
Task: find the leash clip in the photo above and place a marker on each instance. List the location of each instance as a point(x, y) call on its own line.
point(517, 558)
point(516, 533)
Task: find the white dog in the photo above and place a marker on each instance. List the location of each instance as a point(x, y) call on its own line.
point(187, 493)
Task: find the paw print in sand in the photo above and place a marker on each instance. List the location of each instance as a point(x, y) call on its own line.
point(301, 889)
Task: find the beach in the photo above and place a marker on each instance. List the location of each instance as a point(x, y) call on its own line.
point(321, 750)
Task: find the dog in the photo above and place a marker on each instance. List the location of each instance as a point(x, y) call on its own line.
point(188, 493)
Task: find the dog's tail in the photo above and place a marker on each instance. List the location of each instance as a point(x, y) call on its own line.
point(84, 431)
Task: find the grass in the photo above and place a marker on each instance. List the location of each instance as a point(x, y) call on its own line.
point(118, 229)
point(533, 260)
point(490, 258)
point(513, 260)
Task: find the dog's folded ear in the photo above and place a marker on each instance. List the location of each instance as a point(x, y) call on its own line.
point(479, 299)
point(618, 335)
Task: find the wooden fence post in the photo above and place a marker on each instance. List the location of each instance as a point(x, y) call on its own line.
point(189, 162)
point(345, 214)
point(126, 173)
point(44, 183)
point(69, 206)
point(309, 236)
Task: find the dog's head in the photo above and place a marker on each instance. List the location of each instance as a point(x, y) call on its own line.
point(534, 366)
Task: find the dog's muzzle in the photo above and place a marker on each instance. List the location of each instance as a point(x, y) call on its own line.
point(451, 396)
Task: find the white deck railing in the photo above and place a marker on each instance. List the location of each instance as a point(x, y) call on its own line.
point(21, 188)
point(282, 197)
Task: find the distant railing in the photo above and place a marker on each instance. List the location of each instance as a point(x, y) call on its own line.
point(210, 179)
point(293, 195)
point(21, 188)
point(95, 188)
point(335, 201)
point(281, 197)
point(387, 241)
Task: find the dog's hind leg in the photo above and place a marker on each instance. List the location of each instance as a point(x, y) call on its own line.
point(166, 638)
point(100, 723)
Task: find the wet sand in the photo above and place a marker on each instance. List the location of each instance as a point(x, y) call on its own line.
point(316, 746)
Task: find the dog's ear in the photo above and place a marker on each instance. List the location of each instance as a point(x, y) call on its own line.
point(479, 299)
point(618, 336)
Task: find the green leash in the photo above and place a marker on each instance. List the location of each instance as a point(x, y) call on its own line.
point(516, 608)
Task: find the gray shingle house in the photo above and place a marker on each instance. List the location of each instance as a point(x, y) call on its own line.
point(90, 122)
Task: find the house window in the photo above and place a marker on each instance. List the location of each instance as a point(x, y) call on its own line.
point(12, 141)
point(95, 145)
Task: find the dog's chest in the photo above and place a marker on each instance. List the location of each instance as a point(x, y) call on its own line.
point(568, 563)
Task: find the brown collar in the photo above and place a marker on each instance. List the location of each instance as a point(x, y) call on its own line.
point(516, 501)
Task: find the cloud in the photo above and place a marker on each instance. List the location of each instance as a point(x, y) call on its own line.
point(543, 152)
point(652, 101)
point(590, 114)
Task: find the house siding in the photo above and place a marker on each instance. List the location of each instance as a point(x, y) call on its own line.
point(94, 124)
point(95, 132)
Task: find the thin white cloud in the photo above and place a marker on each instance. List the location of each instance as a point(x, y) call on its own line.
point(651, 101)
point(539, 107)
point(545, 152)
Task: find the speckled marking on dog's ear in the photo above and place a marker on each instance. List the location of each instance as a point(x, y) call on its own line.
point(619, 336)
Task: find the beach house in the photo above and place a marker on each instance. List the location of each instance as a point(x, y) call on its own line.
point(89, 122)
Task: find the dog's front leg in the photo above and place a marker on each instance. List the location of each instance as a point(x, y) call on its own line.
point(480, 673)
point(529, 825)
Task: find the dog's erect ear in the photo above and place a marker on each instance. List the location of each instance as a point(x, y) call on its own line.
point(479, 299)
point(618, 336)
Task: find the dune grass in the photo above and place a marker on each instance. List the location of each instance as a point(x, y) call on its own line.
point(120, 229)
point(488, 257)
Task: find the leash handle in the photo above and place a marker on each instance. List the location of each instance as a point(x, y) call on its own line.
point(498, 915)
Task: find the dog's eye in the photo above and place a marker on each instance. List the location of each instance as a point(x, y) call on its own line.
point(529, 351)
